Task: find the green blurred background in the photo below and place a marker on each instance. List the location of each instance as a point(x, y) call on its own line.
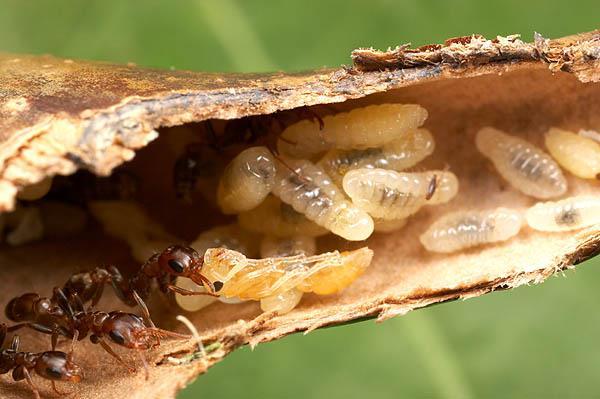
point(531, 342)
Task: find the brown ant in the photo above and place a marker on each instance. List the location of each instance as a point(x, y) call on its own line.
point(51, 365)
point(62, 316)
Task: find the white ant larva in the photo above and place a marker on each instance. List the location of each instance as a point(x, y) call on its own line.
point(367, 127)
point(308, 189)
point(274, 247)
point(564, 215)
point(389, 226)
point(399, 154)
point(35, 191)
point(388, 194)
point(523, 165)
point(589, 134)
point(577, 154)
point(464, 229)
point(247, 180)
point(279, 219)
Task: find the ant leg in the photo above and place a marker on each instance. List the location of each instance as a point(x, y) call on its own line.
point(144, 308)
point(145, 363)
point(56, 389)
point(30, 383)
point(107, 348)
point(183, 291)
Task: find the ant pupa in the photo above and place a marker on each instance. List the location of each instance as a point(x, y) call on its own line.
point(35, 191)
point(463, 229)
point(568, 214)
point(307, 188)
point(388, 194)
point(247, 180)
point(50, 365)
point(276, 218)
point(367, 127)
point(399, 154)
point(275, 247)
point(577, 154)
point(525, 166)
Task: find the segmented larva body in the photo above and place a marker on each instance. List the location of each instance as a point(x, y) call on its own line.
point(577, 154)
point(367, 127)
point(229, 236)
point(279, 219)
point(464, 229)
point(309, 190)
point(388, 194)
point(525, 166)
point(247, 180)
point(274, 247)
point(260, 278)
point(389, 225)
point(399, 154)
point(564, 215)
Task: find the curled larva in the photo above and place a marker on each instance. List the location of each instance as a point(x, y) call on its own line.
point(388, 194)
point(389, 225)
point(36, 190)
point(564, 215)
point(399, 154)
point(525, 166)
point(367, 127)
point(577, 154)
point(247, 180)
point(308, 189)
point(255, 279)
point(229, 236)
point(464, 229)
point(273, 247)
point(279, 219)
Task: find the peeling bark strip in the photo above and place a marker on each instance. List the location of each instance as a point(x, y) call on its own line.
point(58, 116)
point(476, 49)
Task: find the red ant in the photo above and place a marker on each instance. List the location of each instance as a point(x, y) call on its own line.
point(51, 365)
point(62, 316)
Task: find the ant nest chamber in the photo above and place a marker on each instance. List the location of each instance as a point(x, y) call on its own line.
point(296, 201)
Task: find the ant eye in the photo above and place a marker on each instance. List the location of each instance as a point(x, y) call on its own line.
point(117, 337)
point(218, 285)
point(176, 265)
point(54, 373)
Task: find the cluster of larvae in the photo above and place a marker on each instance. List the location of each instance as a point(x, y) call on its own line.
point(534, 173)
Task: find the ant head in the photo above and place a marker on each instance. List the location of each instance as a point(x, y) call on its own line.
point(179, 260)
point(126, 329)
point(58, 366)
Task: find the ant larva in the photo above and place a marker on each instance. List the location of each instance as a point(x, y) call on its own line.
point(589, 134)
point(577, 154)
point(276, 218)
point(399, 154)
point(274, 247)
point(64, 316)
point(366, 127)
point(277, 282)
point(309, 190)
point(50, 365)
point(525, 166)
point(388, 194)
point(464, 229)
point(568, 214)
point(247, 180)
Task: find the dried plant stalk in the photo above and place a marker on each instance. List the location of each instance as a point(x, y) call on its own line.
point(58, 116)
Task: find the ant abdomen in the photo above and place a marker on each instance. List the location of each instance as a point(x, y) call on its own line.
point(276, 218)
point(388, 194)
point(366, 127)
point(464, 229)
point(578, 154)
point(399, 154)
point(247, 180)
point(525, 166)
point(564, 215)
point(309, 190)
